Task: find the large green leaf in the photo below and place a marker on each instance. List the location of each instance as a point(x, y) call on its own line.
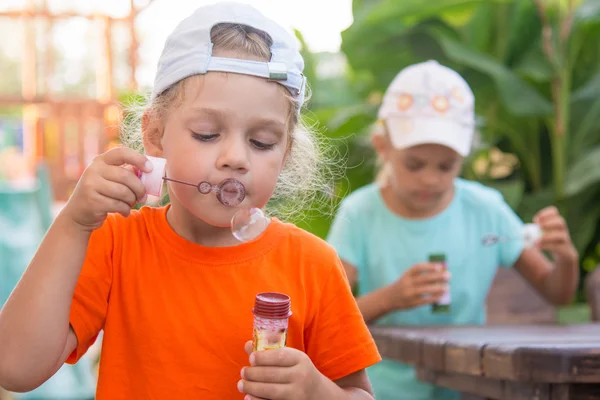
point(534, 65)
point(385, 49)
point(351, 120)
point(582, 230)
point(584, 172)
point(378, 29)
point(517, 96)
point(524, 23)
point(589, 90)
point(585, 128)
point(582, 215)
point(479, 32)
point(415, 10)
point(534, 202)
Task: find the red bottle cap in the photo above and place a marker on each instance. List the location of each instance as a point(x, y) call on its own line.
point(272, 305)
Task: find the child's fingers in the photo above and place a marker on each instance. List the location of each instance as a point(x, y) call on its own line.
point(250, 397)
point(544, 214)
point(268, 374)
point(127, 178)
point(553, 239)
point(283, 357)
point(432, 277)
point(248, 347)
point(428, 299)
point(424, 269)
point(432, 290)
point(262, 390)
point(555, 222)
point(117, 191)
point(123, 155)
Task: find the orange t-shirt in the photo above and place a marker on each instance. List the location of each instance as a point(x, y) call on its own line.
point(176, 315)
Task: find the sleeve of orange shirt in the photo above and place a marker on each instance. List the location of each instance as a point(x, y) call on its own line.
point(90, 300)
point(338, 340)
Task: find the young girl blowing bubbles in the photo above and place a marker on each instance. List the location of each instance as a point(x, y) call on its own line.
point(171, 287)
point(387, 231)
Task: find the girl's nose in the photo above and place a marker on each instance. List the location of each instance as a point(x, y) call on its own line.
point(234, 155)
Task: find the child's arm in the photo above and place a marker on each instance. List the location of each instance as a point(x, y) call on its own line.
point(35, 335)
point(34, 323)
point(556, 281)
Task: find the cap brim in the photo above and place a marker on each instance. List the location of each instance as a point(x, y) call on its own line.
point(409, 132)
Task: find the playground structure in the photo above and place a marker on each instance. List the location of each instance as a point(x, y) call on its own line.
point(65, 131)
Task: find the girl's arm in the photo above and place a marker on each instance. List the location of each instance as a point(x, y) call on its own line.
point(35, 337)
point(556, 281)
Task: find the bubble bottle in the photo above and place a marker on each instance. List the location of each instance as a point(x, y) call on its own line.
point(271, 312)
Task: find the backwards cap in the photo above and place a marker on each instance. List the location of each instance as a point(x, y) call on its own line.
point(429, 103)
point(188, 50)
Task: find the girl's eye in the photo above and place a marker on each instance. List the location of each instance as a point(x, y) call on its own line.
point(446, 168)
point(413, 167)
point(204, 137)
point(260, 145)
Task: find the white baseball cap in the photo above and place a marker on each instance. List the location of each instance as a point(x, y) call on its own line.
point(429, 103)
point(188, 50)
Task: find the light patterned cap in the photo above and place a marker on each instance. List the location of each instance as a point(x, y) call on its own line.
point(429, 103)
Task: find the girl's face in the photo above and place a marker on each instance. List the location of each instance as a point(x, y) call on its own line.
point(228, 126)
point(423, 176)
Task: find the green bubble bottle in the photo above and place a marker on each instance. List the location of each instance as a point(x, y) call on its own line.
point(443, 304)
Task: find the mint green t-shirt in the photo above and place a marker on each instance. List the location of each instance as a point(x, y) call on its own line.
point(383, 245)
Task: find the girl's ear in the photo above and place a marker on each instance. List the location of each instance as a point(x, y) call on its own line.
point(381, 143)
point(152, 133)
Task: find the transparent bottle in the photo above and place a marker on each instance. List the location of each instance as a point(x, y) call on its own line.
point(271, 313)
point(443, 304)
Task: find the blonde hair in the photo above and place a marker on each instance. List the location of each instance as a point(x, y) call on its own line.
point(307, 179)
point(383, 170)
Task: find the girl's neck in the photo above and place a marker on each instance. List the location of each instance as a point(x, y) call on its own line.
point(395, 204)
point(191, 228)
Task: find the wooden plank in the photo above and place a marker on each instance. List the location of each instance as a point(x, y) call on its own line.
point(544, 362)
point(401, 345)
point(432, 353)
point(465, 355)
point(575, 392)
point(463, 349)
point(484, 387)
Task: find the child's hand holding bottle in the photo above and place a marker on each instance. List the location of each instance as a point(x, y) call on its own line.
point(106, 186)
point(284, 374)
point(422, 284)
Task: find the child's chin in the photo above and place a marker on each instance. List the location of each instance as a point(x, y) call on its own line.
point(216, 219)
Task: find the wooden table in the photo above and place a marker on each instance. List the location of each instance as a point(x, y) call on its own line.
point(541, 362)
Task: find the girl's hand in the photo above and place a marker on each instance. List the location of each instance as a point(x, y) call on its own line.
point(555, 237)
point(106, 186)
point(280, 374)
point(423, 283)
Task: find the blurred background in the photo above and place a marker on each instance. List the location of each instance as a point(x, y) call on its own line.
point(67, 67)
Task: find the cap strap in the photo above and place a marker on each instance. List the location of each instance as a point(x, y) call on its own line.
point(275, 71)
